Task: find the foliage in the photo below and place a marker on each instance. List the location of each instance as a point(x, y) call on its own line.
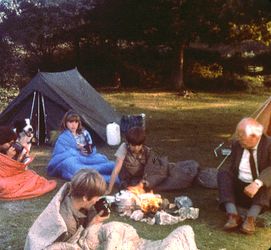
point(143, 41)
point(208, 71)
point(7, 95)
point(249, 20)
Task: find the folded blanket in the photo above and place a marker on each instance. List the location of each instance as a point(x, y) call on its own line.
point(17, 183)
point(67, 159)
point(109, 236)
point(49, 225)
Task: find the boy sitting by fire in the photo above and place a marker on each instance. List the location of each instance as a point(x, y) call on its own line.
point(137, 164)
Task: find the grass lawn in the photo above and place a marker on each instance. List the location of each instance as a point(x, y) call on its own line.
point(181, 128)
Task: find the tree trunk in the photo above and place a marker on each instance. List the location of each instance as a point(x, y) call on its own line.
point(76, 46)
point(180, 80)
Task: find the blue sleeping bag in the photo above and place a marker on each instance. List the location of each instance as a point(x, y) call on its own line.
point(67, 159)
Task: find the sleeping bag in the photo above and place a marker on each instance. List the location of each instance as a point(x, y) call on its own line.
point(67, 159)
point(18, 183)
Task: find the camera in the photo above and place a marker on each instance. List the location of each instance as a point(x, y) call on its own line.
point(18, 147)
point(102, 205)
point(88, 148)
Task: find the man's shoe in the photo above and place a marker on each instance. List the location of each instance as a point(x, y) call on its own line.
point(234, 221)
point(248, 227)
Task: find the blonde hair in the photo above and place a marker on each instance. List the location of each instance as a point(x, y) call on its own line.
point(88, 183)
point(69, 116)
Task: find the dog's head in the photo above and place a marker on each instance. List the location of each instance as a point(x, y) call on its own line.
point(23, 126)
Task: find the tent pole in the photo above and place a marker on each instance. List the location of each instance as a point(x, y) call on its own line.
point(222, 162)
point(44, 118)
point(33, 104)
point(38, 130)
point(261, 109)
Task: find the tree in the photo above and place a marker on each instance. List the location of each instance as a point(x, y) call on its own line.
point(37, 30)
point(158, 24)
point(174, 24)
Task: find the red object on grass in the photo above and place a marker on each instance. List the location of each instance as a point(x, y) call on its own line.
point(18, 183)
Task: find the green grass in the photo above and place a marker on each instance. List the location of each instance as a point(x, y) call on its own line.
point(182, 129)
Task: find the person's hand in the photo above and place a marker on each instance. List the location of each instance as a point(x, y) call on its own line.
point(22, 155)
point(11, 152)
point(107, 192)
point(146, 186)
point(251, 189)
point(82, 149)
point(98, 218)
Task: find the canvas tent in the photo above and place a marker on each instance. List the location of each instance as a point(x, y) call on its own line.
point(263, 115)
point(48, 96)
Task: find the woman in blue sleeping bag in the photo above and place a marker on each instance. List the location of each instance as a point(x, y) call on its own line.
point(74, 151)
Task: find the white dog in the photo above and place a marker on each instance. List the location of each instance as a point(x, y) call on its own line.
point(23, 144)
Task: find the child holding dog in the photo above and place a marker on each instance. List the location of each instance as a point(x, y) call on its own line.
point(74, 150)
point(7, 144)
point(16, 182)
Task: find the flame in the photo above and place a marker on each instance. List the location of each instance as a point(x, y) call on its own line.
point(138, 189)
point(148, 202)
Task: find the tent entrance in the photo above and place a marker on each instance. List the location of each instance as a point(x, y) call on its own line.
point(38, 118)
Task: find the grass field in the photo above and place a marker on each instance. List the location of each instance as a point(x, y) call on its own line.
point(178, 127)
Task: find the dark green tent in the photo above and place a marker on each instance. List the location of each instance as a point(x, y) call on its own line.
point(49, 95)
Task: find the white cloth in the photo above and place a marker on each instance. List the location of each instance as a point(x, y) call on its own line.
point(48, 226)
point(121, 236)
point(245, 174)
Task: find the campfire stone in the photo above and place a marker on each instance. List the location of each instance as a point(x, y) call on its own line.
point(163, 218)
point(165, 204)
point(183, 201)
point(188, 213)
point(149, 220)
point(172, 205)
point(137, 215)
point(127, 213)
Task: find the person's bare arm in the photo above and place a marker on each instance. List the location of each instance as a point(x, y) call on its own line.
point(114, 175)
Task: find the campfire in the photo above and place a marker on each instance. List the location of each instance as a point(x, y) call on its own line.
point(148, 207)
point(148, 202)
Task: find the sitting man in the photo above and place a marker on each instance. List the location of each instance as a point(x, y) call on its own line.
point(247, 180)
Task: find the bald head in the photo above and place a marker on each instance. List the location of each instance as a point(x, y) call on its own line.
point(249, 132)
